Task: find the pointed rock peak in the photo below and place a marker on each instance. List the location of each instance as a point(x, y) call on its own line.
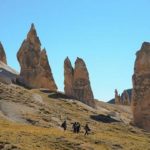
point(32, 26)
point(79, 61)
point(145, 45)
point(116, 92)
point(33, 38)
point(67, 60)
point(32, 30)
point(44, 59)
point(44, 56)
point(67, 63)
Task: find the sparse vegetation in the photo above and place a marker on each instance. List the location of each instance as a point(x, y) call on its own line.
point(42, 131)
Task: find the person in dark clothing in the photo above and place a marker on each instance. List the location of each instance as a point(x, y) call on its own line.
point(87, 129)
point(74, 127)
point(78, 127)
point(64, 125)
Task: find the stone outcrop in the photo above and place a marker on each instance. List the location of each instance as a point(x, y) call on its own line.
point(7, 74)
point(35, 69)
point(117, 97)
point(81, 83)
point(2, 54)
point(77, 83)
point(68, 77)
point(125, 98)
point(141, 88)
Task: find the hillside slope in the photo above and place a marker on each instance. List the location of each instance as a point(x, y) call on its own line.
point(31, 119)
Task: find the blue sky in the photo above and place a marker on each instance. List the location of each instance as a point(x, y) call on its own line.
point(105, 33)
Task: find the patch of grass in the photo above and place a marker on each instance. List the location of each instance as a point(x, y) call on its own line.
point(110, 136)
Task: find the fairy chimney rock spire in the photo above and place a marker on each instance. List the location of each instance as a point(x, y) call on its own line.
point(77, 82)
point(141, 88)
point(35, 68)
point(68, 77)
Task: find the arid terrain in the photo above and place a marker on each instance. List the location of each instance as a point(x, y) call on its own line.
point(31, 119)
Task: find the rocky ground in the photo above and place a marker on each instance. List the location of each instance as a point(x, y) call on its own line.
point(31, 119)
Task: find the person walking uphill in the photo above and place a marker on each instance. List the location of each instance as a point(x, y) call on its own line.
point(64, 125)
point(87, 129)
point(76, 127)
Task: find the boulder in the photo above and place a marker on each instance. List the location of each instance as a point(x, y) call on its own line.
point(141, 88)
point(35, 69)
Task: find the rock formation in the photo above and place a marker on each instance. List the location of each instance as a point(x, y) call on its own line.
point(7, 74)
point(68, 80)
point(2, 54)
point(124, 99)
point(35, 69)
point(141, 88)
point(117, 97)
point(81, 83)
point(77, 83)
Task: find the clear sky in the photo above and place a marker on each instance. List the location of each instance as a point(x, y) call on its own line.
point(105, 33)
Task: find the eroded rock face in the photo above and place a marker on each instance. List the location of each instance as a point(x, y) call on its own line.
point(77, 83)
point(81, 83)
point(68, 77)
point(117, 97)
point(2, 54)
point(125, 98)
point(35, 69)
point(141, 88)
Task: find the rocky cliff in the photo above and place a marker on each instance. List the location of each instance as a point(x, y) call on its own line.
point(123, 99)
point(35, 69)
point(141, 88)
point(117, 97)
point(7, 74)
point(126, 97)
point(2, 54)
point(77, 83)
point(68, 77)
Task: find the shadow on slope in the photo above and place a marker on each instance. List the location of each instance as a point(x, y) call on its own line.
point(55, 95)
point(103, 118)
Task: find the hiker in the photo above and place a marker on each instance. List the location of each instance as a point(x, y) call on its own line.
point(87, 129)
point(64, 125)
point(78, 127)
point(74, 127)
